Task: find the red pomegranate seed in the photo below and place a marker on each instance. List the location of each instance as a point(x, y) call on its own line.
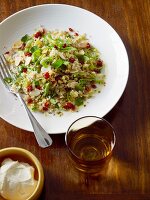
point(29, 88)
point(81, 61)
point(24, 70)
point(99, 63)
point(56, 47)
point(76, 34)
point(46, 104)
point(58, 77)
point(46, 75)
point(71, 60)
point(69, 106)
point(38, 87)
point(97, 71)
point(45, 108)
point(88, 45)
point(93, 86)
point(7, 52)
point(64, 46)
point(28, 54)
point(29, 100)
point(38, 34)
point(70, 29)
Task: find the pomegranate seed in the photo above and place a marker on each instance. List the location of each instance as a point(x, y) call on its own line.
point(99, 63)
point(38, 87)
point(88, 45)
point(97, 71)
point(28, 54)
point(58, 77)
point(69, 106)
point(29, 88)
point(24, 70)
point(81, 61)
point(71, 60)
point(76, 34)
point(45, 108)
point(70, 29)
point(29, 100)
point(38, 34)
point(93, 86)
point(46, 104)
point(56, 47)
point(46, 75)
point(7, 52)
point(64, 46)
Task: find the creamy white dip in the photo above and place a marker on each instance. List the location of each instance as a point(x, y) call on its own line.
point(16, 180)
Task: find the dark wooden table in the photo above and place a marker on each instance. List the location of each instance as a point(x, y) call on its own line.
point(128, 174)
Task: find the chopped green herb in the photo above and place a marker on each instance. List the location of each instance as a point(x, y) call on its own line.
point(81, 58)
point(69, 49)
point(25, 38)
point(79, 101)
point(47, 89)
point(45, 61)
point(36, 55)
point(33, 49)
point(58, 63)
point(36, 83)
point(34, 108)
point(79, 87)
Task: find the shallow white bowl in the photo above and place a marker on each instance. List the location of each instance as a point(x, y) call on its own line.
point(101, 35)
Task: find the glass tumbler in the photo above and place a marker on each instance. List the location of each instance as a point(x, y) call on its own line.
point(90, 141)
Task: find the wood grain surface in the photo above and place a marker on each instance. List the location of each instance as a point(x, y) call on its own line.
point(127, 176)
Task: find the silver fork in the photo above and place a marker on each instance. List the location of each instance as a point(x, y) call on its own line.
point(42, 137)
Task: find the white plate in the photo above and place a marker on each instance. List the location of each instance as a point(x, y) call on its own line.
point(102, 36)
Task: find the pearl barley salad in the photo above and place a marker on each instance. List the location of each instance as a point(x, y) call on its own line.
point(56, 70)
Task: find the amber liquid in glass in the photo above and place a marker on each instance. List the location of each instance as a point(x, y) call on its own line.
point(90, 147)
point(91, 143)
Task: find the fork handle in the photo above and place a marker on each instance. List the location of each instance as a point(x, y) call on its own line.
point(42, 137)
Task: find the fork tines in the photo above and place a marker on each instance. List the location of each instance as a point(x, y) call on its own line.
point(4, 67)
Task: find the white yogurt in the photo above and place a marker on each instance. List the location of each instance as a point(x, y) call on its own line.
point(16, 180)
